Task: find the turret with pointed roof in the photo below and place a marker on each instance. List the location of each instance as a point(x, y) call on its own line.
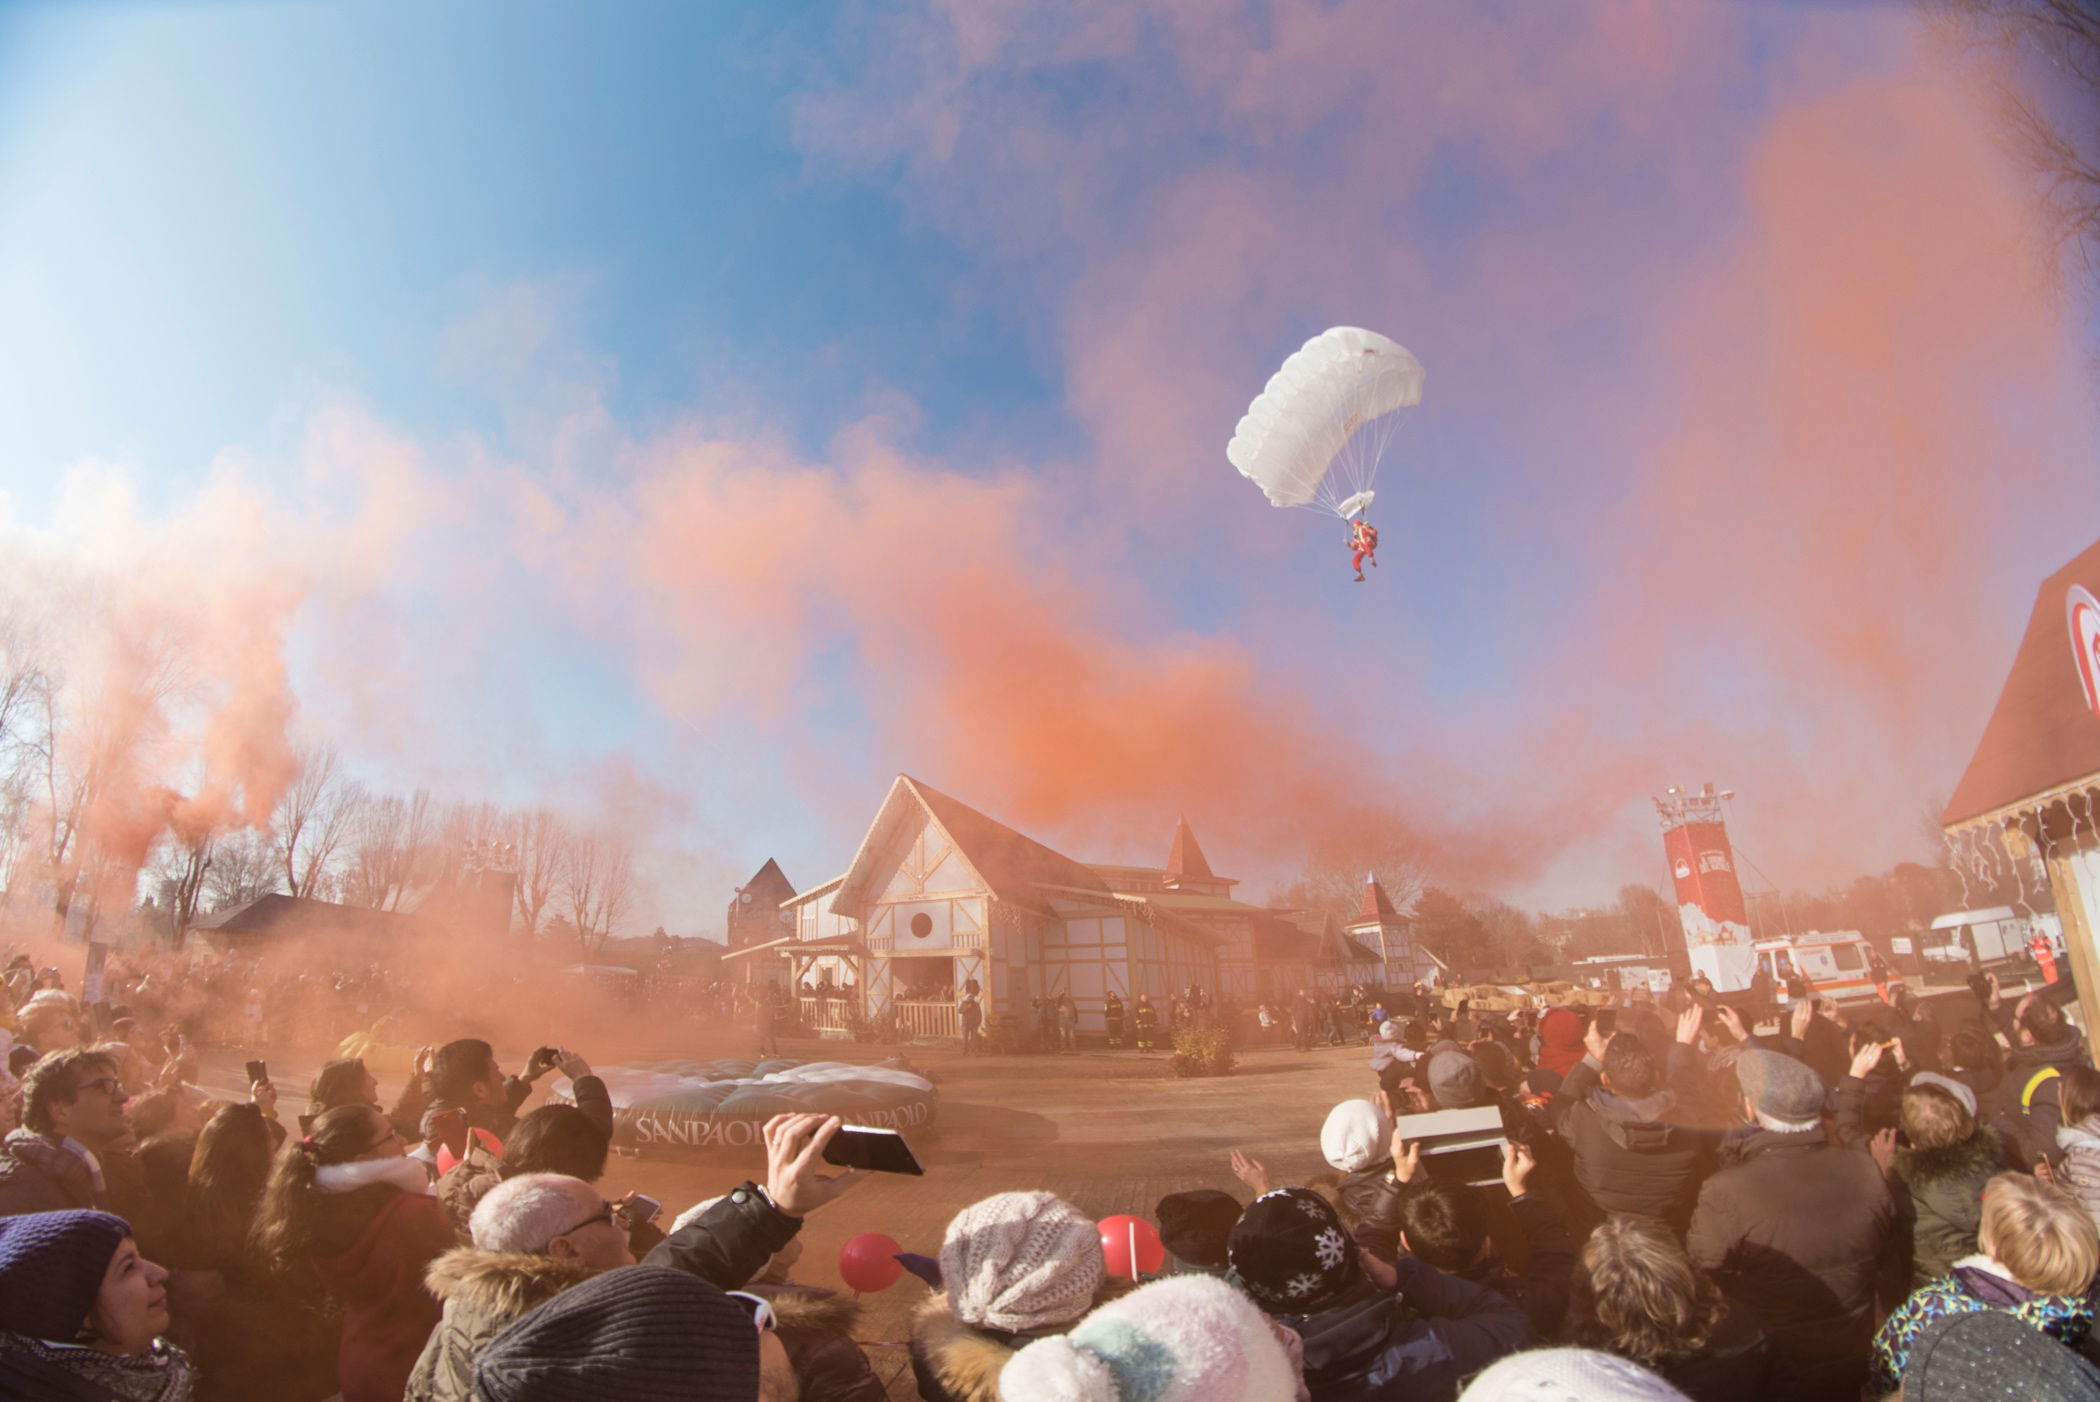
point(1380, 925)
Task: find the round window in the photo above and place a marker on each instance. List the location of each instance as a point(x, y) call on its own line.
point(922, 924)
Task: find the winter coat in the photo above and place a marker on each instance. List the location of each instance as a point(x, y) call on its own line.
point(957, 1362)
point(1945, 1192)
point(1370, 1203)
point(1975, 1283)
point(1541, 1291)
point(1801, 1231)
point(482, 1292)
point(816, 1328)
point(1735, 1365)
point(1420, 1344)
point(2080, 1173)
point(730, 1242)
point(388, 1312)
point(2025, 1106)
point(1628, 1157)
point(38, 1174)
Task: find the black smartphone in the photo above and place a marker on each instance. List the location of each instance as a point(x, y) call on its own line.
point(258, 1072)
point(640, 1208)
point(1607, 1021)
point(878, 1150)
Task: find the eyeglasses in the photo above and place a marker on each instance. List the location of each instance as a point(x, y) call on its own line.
point(761, 1309)
point(108, 1085)
point(392, 1136)
point(603, 1214)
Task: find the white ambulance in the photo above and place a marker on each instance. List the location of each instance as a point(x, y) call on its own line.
point(1837, 964)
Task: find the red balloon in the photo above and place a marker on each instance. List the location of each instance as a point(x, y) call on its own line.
point(1131, 1246)
point(869, 1263)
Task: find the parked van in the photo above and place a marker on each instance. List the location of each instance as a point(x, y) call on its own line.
point(1993, 939)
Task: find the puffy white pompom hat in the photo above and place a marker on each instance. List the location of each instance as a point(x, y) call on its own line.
point(1188, 1338)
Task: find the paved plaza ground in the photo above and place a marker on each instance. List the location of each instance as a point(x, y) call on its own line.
point(1110, 1132)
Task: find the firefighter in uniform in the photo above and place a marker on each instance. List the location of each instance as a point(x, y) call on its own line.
point(1147, 1023)
point(1112, 1014)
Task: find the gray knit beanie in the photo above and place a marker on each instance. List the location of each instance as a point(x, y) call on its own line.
point(1020, 1261)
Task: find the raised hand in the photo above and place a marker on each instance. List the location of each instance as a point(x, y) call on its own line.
point(1866, 1059)
point(1689, 1023)
point(1594, 1041)
point(1883, 1147)
point(1407, 1159)
point(572, 1065)
point(1250, 1171)
point(263, 1096)
point(1517, 1164)
point(1802, 1014)
point(794, 1148)
point(1733, 1021)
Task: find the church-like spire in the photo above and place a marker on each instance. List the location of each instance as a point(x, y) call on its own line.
point(1377, 905)
point(1186, 858)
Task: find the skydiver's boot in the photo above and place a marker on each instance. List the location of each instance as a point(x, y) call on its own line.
point(1359, 576)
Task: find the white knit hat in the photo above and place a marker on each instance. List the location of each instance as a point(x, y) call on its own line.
point(1568, 1375)
point(1188, 1338)
point(1020, 1261)
point(1357, 1134)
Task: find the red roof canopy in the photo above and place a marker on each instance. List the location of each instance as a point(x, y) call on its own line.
point(2042, 734)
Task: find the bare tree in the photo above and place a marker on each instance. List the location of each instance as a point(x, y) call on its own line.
point(597, 886)
point(183, 861)
point(1333, 877)
point(244, 867)
point(314, 819)
point(542, 842)
point(2058, 134)
point(391, 851)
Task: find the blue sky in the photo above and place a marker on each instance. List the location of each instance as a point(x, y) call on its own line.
point(470, 221)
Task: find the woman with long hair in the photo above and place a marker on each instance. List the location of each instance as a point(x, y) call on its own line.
point(1637, 1294)
point(252, 1339)
point(345, 1209)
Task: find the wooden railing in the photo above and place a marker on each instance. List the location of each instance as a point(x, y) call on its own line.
point(825, 1014)
point(926, 1019)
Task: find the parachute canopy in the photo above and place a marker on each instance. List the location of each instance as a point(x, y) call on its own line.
point(1313, 436)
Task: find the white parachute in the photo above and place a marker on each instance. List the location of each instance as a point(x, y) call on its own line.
point(1314, 435)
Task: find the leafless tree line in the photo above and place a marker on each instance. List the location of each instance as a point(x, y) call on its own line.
point(89, 823)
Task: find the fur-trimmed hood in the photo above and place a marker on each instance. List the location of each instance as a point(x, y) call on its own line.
point(504, 1284)
point(810, 1309)
point(1979, 1156)
point(961, 1359)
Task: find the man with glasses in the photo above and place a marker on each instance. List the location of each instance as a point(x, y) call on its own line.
point(534, 1236)
point(74, 1132)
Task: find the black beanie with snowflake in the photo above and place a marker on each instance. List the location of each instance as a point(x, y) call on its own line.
point(1292, 1253)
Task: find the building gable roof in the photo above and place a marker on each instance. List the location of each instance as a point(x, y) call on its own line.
point(2042, 735)
point(281, 916)
point(1185, 858)
point(1012, 866)
point(769, 874)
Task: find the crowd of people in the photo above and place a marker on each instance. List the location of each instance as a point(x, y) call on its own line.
point(1848, 1205)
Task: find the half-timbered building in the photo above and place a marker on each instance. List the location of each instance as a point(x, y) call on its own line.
point(940, 898)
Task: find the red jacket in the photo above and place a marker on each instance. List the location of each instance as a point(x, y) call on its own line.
point(388, 1313)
